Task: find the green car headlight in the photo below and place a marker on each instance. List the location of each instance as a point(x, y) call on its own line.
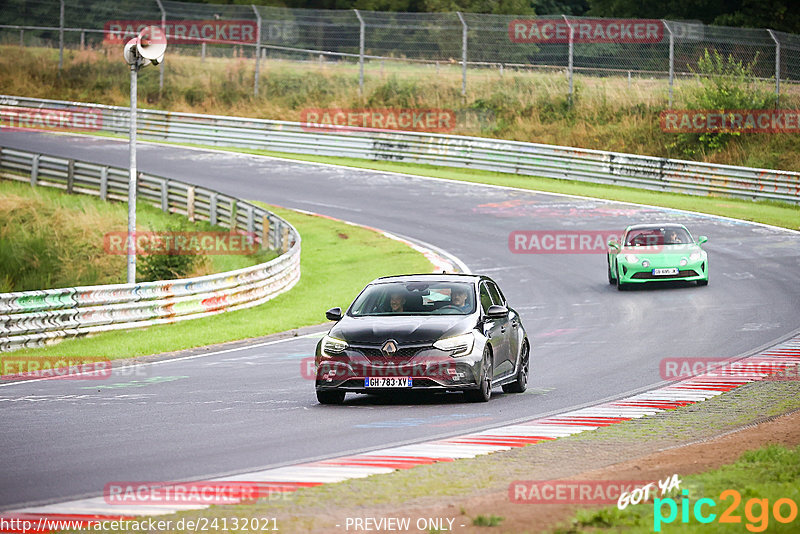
point(332, 346)
point(695, 256)
point(456, 345)
point(631, 258)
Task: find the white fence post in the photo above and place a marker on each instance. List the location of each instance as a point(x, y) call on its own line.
point(258, 50)
point(570, 58)
point(671, 60)
point(464, 29)
point(361, 42)
point(777, 68)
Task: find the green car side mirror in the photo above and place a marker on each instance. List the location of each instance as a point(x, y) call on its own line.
point(613, 244)
point(702, 239)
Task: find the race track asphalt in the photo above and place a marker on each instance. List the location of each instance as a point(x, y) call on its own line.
point(252, 407)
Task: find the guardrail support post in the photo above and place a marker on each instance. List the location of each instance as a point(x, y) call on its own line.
point(284, 238)
point(671, 60)
point(361, 38)
point(264, 232)
point(70, 175)
point(104, 183)
point(22, 38)
point(83, 40)
point(232, 223)
point(250, 223)
point(570, 58)
point(777, 68)
point(61, 38)
point(212, 209)
point(35, 170)
point(464, 29)
point(258, 50)
point(165, 196)
point(190, 203)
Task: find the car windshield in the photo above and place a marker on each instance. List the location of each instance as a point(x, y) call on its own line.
point(646, 237)
point(415, 298)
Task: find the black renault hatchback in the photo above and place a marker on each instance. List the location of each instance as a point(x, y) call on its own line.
point(433, 332)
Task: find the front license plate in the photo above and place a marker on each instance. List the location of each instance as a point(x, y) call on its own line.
point(664, 272)
point(388, 382)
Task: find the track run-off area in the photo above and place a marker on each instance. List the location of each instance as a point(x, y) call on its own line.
point(253, 407)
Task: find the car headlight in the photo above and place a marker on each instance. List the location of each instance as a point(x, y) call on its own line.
point(456, 345)
point(631, 258)
point(695, 256)
point(332, 346)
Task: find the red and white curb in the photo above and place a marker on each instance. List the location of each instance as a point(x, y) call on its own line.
point(282, 480)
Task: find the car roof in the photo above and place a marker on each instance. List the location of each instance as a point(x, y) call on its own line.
point(646, 226)
point(432, 277)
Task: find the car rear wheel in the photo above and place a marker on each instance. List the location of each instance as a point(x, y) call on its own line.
point(521, 383)
point(484, 391)
point(330, 397)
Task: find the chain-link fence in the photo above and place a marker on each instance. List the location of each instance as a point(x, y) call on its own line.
point(598, 47)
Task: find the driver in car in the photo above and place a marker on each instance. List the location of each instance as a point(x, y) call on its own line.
point(396, 302)
point(673, 238)
point(458, 298)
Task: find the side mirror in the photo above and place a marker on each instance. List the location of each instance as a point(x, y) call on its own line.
point(334, 314)
point(702, 239)
point(613, 244)
point(496, 312)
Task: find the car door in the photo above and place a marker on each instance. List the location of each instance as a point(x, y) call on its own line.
point(497, 331)
point(508, 329)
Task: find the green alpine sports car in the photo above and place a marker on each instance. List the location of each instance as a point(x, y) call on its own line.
point(657, 252)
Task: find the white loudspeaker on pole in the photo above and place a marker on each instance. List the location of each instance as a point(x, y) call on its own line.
point(146, 48)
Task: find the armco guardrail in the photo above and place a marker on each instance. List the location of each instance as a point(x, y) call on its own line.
point(550, 161)
point(33, 318)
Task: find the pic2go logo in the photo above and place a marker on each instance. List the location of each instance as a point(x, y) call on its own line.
point(756, 511)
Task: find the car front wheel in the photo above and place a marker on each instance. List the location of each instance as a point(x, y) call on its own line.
point(484, 391)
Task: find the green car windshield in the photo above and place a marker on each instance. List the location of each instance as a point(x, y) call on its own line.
point(646, 237)
point(415, 298)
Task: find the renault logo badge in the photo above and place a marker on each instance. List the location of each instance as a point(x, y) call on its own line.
point(389, 348)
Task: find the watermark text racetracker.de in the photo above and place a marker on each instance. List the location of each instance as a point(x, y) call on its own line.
point(73, 118)
point(406, 119)
point(205, 492)
point(681, 368)
point(182, 243)
point(561, 241)
point(730, 121)
point(586, 31)
point(14, 368)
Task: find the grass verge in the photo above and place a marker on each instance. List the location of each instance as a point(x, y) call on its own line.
point(337, 260)
point(49, 239)
point(754, 484)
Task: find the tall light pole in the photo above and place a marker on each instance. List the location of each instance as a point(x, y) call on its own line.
point(146, 48)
